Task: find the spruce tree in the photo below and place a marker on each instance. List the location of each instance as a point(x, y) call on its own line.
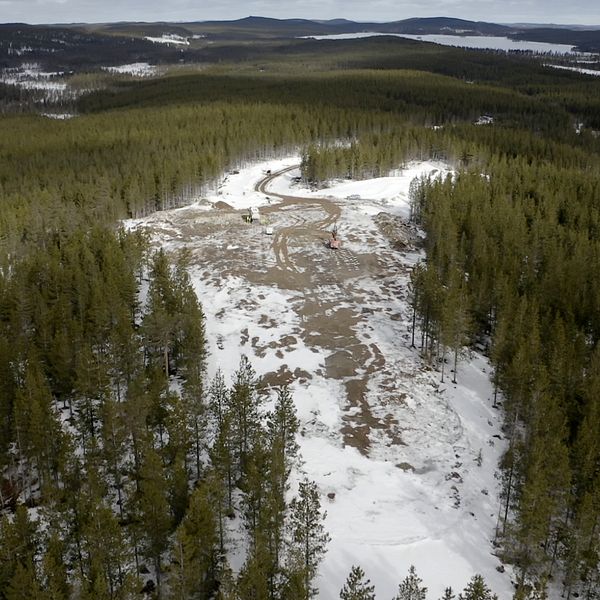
point(55, 569)
point(244, 404)
point(357, 586)
point(411, 588)
point(477, 590)
point(196, 550)
point(309, 538)
point(154, 516)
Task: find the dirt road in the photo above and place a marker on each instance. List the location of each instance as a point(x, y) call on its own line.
point(302, 227)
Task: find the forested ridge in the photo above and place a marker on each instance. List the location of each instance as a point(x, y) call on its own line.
point(122, 464)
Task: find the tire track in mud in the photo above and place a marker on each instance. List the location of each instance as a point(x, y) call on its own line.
point(283, 235)
point(351, 360)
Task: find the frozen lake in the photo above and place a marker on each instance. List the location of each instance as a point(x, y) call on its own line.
point(465, 41)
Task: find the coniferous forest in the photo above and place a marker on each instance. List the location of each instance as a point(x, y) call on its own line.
point(124, 468)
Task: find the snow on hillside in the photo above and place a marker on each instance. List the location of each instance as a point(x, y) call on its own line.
point(31, 77)
point(406, 464)
point(594, 72)
point(53, 86)
point(139, 69)
point(237, 188)
point(169, 38)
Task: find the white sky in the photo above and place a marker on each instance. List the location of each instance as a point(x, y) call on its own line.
point(585, 12)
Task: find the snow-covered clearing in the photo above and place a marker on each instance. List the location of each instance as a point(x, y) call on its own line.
point(59, 116)
point(595, 72)
point(139, 69)
point(169, 38)
point(406, 464)
point(29, 76)
point(32, 79)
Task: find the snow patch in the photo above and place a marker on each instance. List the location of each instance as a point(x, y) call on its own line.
point(139, 69)
point(594, 72)
point(169, 38)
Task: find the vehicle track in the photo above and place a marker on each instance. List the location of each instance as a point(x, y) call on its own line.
point(352, 360)
point(283, 235)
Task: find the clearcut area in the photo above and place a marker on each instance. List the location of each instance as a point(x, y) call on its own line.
point(406, 464)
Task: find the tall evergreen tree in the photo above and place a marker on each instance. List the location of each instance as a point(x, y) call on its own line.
point(357, 586)
point(411, 588)
point(154, 515)
point(477, 590)
point(309, 538)
point(197, 550)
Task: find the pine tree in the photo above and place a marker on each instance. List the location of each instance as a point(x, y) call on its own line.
point(160, 319)
point(411, 588)
point(477, 590)
point(255, 487)
point(175, 454)
point(282, 427)
point(196, 551)
point(309, 539)
point(244, 405)
point(155, 519)
point(37, 431)
point(18, 546)
point(253, 581)
point(448, 594)
point(222, 457)
point(357, 587)
point(114, 445)
point(105, 552)
point(217, 398)
point(24, 584)
point(55, 569)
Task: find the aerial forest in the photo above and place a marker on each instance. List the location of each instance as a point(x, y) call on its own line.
point(124, 466)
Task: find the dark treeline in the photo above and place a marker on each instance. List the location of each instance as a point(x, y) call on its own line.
point(60, 175)
point(413, 94)
point(132, 161)
point(513, 255)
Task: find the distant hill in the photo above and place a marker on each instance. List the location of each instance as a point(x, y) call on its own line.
point(75, 45)
point(270, 27)
point(66, 48)
point(277, 27)
point(585, 40)
point(146, 29)
point(443, 25)
point(265, 27)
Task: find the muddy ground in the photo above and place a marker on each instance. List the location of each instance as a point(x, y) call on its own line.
point(336, 292)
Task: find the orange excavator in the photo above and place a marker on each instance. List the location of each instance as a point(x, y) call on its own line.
point(334, 242)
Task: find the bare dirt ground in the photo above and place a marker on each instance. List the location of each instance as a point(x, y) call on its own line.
point(329, 285)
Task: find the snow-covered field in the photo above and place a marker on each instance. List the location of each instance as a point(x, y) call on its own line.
point(52, 85)
point(139, 69)
point(406, 464)
point(59, 116)
point(169, 38)
point(31, 77)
